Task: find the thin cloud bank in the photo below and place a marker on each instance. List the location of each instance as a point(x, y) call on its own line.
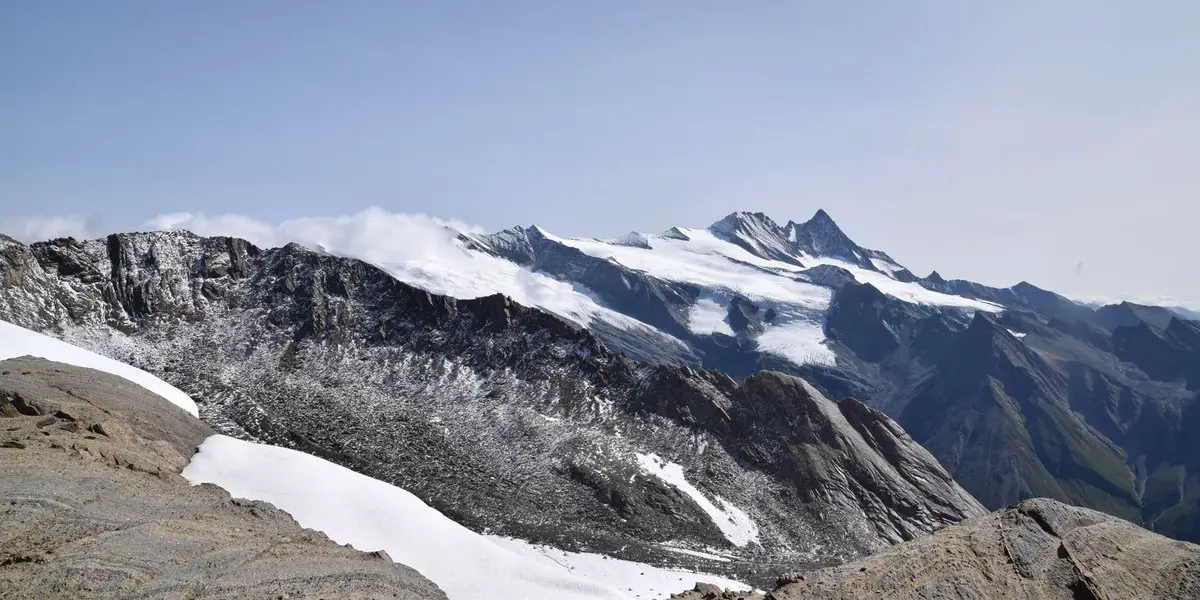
point(1191, 306)
point(374, 235)
point(36, 229)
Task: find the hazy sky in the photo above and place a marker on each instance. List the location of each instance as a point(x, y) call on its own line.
point(1056, 142)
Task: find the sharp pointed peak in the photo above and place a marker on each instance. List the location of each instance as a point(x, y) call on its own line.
point(822, 222)
point(821, 218)
point(634, 239)
point(821, 215)
point(675, 233)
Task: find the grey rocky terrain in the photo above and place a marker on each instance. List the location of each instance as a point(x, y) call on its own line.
point(1037, 550)
point(92, 505)
point(503, 417)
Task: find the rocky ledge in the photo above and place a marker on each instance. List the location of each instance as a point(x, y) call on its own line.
point(1037, 550)
point(92, 505)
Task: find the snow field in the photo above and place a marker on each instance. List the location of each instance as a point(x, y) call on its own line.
point(372, 515)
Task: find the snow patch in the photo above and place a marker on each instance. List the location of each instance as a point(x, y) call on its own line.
point(800, 341)
point(1017, 334)
point(886, 267)
point(696, 553)
point(370, 515)
point(908, 292)
point(706, 317)
point(17, 341)
point(734, 523)
point(637, 579)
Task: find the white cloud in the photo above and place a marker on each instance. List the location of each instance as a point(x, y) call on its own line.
point(374, 235)
point(371, 234)
point(38, 229)
point(1097, 301)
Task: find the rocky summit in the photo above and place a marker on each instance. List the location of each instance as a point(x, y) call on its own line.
point(1037, 550)
point(92, 505)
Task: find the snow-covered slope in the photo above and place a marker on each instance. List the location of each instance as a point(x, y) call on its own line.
point(747, 257)
point(17, 341)
point(372, 515)
point(704, 260)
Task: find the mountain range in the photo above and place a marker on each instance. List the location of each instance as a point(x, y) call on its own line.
point(505, 418)
point(1019, 392)
point(744, 398)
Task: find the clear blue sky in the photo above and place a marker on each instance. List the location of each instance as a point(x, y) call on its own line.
point(1049, 141)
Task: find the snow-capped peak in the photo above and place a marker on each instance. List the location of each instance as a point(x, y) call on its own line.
point(634, 239)
point(758, 234)
point(821, 219)
point(675, 233)
point(744, 220)
point(821, 236)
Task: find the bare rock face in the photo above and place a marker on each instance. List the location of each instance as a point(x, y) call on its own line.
point(1037, 550)
point(92, 506)
point(707, 591)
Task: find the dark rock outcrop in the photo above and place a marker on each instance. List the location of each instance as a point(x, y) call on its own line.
point(1037, 550)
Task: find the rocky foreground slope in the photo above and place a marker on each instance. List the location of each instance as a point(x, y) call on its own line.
point(92, 505)
point(1037, 550)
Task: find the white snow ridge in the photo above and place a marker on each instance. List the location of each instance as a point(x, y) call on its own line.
point(17, 341)
point(371, 515)
point(734, 523)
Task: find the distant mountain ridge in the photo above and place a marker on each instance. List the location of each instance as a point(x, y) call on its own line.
point(1009, 401)
point(1019, 391)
